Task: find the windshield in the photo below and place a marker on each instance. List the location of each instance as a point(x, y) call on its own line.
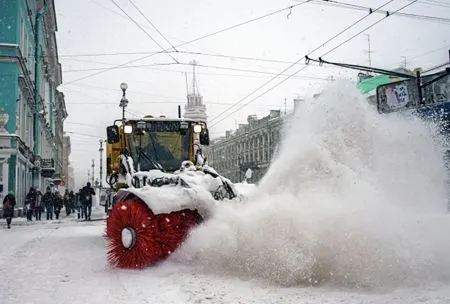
point(159, 149)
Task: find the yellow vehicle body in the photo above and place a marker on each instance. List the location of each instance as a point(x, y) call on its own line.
point(149, 141)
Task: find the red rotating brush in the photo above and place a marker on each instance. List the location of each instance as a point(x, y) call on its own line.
point(133, 236)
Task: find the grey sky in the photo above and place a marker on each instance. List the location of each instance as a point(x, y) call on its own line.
point(98, 26)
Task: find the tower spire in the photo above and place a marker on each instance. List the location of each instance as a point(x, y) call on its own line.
point(194, 109)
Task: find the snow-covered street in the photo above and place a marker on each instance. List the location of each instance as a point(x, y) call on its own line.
point(64, 262)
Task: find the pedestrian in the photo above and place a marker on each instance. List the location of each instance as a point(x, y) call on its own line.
point(86, 196)
point(66, 202)
point(57, 204)
point(80, 209)
point(9, 202)
point(39, 205)
point(30, 203)
point(72, 201)
point(48, 199)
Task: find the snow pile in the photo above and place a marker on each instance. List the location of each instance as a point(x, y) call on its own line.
point(354, 198)
point(245, 189)
point(189, 189)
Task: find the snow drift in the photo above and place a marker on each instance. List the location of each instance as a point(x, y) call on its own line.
point(354, 198)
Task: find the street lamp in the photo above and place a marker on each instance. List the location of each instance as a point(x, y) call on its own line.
point(124, 101)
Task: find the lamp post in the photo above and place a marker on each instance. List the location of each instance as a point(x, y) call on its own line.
point(124, 101)
point(101, 162)
point(92, 176)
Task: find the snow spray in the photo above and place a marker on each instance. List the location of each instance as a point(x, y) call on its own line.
point(354, 198)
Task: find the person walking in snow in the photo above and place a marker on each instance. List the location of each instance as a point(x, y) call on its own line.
point(9, 202)
point(48, 199)
point(79, 205)
point(39, 207)
point(72, 201)
point(30, 203)
point(86, 197)
point(57, 204)
point(66, 202)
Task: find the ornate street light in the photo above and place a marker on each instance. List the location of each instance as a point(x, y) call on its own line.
point(4, 117)
point(124, 101)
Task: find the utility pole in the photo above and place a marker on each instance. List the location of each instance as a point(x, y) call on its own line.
point(404, 61)
point(285, 105)
point(101, 161)
point(93, 165)
point(89, 175)
point(369, 52)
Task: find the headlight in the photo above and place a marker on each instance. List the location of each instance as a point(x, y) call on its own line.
point(128, 129)
point(197, 128)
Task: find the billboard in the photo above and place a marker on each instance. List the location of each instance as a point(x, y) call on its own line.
point(402, 95)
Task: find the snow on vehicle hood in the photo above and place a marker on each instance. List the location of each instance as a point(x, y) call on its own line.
point(174, 197)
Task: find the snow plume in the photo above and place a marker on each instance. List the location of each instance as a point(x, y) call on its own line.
point(353, 199)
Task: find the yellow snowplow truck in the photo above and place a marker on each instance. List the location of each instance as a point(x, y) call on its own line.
point(161, 187)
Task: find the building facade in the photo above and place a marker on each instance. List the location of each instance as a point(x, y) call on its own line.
point(252, 146)
point(65, 174)
point(29, 73)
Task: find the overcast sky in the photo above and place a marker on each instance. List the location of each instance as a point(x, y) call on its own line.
point(157, 85)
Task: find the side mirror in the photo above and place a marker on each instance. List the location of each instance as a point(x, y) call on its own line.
point(112, 133)
point(204, 138)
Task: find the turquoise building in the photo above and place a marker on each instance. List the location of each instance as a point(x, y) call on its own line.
point(29, 100)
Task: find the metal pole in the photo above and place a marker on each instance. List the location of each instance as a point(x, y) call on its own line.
point(419, 88)
point(101, 162)
point(93, 165)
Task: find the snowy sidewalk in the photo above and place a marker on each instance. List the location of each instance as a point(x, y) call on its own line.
point(98, 214)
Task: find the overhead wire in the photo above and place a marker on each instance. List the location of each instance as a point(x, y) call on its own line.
point(436, 3)
point(194, 40)
point(281, 82)
point(151, 23)
point(293, 64)
point(148, 35)
point(204, 66)
point(336, 3)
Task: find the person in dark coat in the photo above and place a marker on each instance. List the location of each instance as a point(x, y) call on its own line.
point(9, 202)
point(39, 207)
point(79, 205)
point(30, 203)
point(86, 197)
point(48, 200)
point(67, 202)
point(57, 204)
point(72, 201)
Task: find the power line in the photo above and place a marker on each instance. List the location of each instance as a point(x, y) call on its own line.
point(293, 64)
point(436, 3)
point(152, 102)
point(437, 67)
point(140, 26)
point(194, 40)
point(205, 66)
point(156, 29)
point(365, 8)
point(422, 54)
point(284, 80)
point(84, 134)
point(123, 67)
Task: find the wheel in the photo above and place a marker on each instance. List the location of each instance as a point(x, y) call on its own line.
point(137, 238)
